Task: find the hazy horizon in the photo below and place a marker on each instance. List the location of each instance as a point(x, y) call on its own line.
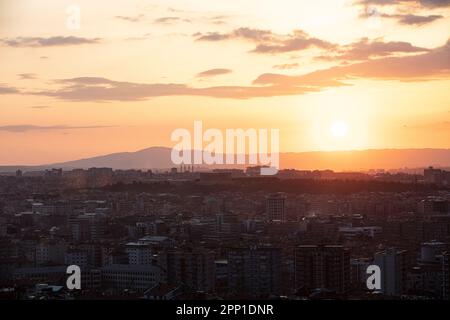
point(355, 160)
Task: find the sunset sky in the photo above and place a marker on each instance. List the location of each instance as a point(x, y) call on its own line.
point(330, 74)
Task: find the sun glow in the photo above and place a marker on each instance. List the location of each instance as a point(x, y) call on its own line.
point(339, 129)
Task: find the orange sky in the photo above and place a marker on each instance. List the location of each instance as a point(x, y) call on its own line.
point(136, 70)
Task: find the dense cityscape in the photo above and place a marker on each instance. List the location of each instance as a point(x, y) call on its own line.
point(186, 234)
point(216, 159)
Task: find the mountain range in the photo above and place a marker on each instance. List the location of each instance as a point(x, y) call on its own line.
point(159, 158)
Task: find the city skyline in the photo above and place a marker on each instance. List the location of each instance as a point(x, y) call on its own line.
point(346, 75)
point(214, 158)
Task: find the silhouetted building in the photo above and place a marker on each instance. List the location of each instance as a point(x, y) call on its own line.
point(393, 265)
point(322, 267)
point(434, 206)
point(131, 277)
point(195, 269)
point(436, 176)
point(254, 271)
point(275, 207)
point(446, 276)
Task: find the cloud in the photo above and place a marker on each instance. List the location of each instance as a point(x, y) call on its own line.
point(215, 18)
point(104, 90)
point(434, 64)
point(7, 90)
point(406, 19)
point(137, 18)
point(27, 76)
point(412, 19)
point(213, 72)
point(409, 12)
point(435, 3)
point(423, 3)
point(254, 35)
point(175, 15)
point(218, 20)
point(176, 10)
point(286, 66)
point(171, 20)
point(48, 42)
point(295, 44)
point(268, 42)
point(366, 49)
point(29, 127)
point(211, 36)
point(139, 38)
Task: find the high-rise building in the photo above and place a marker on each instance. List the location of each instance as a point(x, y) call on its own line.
point(434, 206)
point(99, 177)
point(50, 252)
point(139, 253)
point(77, 257)
point(134, 277)
point(322, 267)
point(275, 207)
point(88, 226)
point(393, 266)
point(254, 271)
point(446, 275)
point(193, 268)
point(358, 271)
point(228, 226)
point(432, 175)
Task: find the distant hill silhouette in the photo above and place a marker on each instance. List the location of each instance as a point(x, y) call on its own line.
point(159, 158)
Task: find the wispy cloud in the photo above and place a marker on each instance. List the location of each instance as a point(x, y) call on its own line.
point(412, 19)
point(286, 66)
point(219, 19)
point(138, 38)
point(48, 42)
point(213, 73)
point(405, 19)
point(435, 3)
point(103, 90)
point(214, 18)
point(27, 76)
point(7, 90)
point(366, 49)
point(423, 3)
point(137, 18)
point(171, 20)
point(268, 42)
point(408, 12)
point(29, 127)
point(433, 64)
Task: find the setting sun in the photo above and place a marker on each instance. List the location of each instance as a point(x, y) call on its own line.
point(339, 129)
